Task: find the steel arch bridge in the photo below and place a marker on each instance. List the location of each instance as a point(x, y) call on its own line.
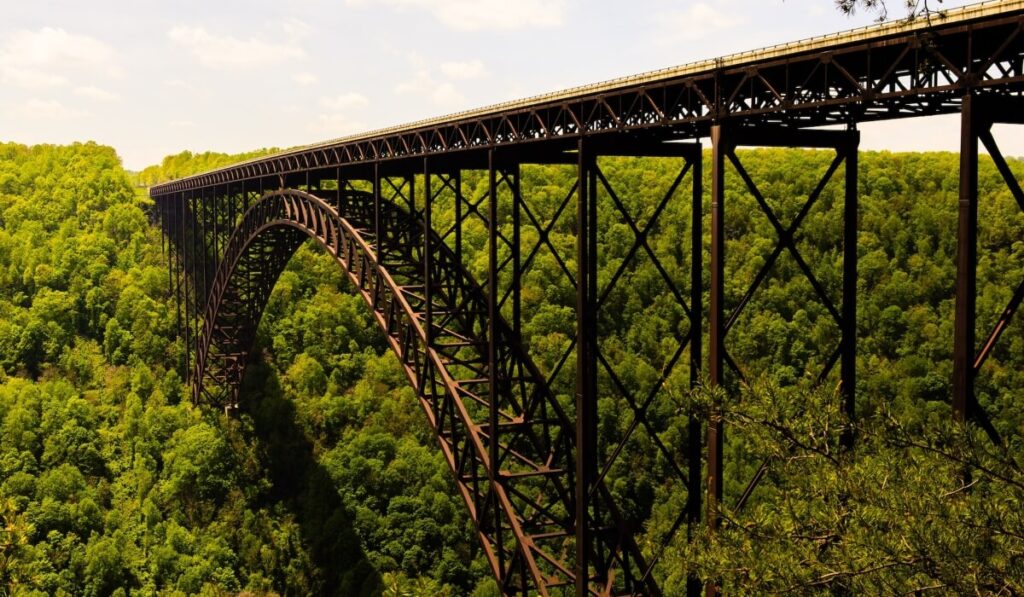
point(522, 440)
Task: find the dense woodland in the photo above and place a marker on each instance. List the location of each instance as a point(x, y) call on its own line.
point(328, 480)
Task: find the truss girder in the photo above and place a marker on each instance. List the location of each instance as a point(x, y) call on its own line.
point(517, 477)
point(924, 71)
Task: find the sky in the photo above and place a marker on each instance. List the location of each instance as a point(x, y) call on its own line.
point(154, 77)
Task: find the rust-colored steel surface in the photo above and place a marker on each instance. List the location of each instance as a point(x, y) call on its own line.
point(514, 469)
point(408, 212)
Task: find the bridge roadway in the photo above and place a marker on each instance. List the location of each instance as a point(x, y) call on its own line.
point(532, 468)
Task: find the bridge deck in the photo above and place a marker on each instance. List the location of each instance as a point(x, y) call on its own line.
point(890, 70)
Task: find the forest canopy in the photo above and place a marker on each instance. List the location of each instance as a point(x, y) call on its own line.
point(112, 483)
point(328, 481)
point(187, 163)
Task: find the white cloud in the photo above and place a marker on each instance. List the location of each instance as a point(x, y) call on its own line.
point(463, 70)
point(305, 79)
point(446, 95)
point(178, 84)
point(345, 101)
point(46, 58)
point(95, 93)
point(296, 29)
point(37, 109)
point(442, 93)
point(476, 15)
point(226, 52)
point(30, 79)
point(697, 21)
point(337, 121)
point(336, 125)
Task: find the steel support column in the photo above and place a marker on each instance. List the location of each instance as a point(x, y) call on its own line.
point(848, 355)
point(201, 238)
point(215, 225)
point(428, 277)
point(459, 200)
point(716, 321)
point(716, 331)
point(179, 286)
point(978, 115)
point(493, 314)
point(202, 243)
point(517, 271)
point(966, 263)
point(586, 365)
point(376, 206)
point(159, 217)
point(190, 281)
point(174, 266)
point(724, 143)
point(694, 427)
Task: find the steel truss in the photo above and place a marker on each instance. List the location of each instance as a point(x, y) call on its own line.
point(544, 513)
point(978, 114)
point(462, 344)
point(722, 317)
point(521, 438)
point(891, 75)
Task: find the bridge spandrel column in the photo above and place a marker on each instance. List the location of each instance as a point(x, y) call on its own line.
point(966, 262)
point(851, 223)
point(716, 325)
point(495, 393)
point(633, 269)
point(979, 113)
point(726, 311)
point(376, 202)
point(694, 447)
point(586, 368)
point(192, 279)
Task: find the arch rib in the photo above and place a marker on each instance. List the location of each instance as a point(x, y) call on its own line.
point(522, 504)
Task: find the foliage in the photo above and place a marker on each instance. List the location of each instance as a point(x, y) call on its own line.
point(925, 506)
point(329, 480)
point(896, 512)
point(880, 8)
point(111, 483)
point(187, 163)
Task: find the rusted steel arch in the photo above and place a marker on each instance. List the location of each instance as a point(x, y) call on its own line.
point(237, 296)
point(523, 503)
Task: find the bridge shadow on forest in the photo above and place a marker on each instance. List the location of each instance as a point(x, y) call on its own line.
point(305, 488)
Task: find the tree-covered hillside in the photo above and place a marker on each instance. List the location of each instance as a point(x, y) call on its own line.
point(328, 480)
point(188, 163)
point(111, 482)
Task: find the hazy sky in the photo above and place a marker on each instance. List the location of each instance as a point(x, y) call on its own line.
point(154, 77)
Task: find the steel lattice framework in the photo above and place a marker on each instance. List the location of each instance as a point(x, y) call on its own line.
point(522, 440)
